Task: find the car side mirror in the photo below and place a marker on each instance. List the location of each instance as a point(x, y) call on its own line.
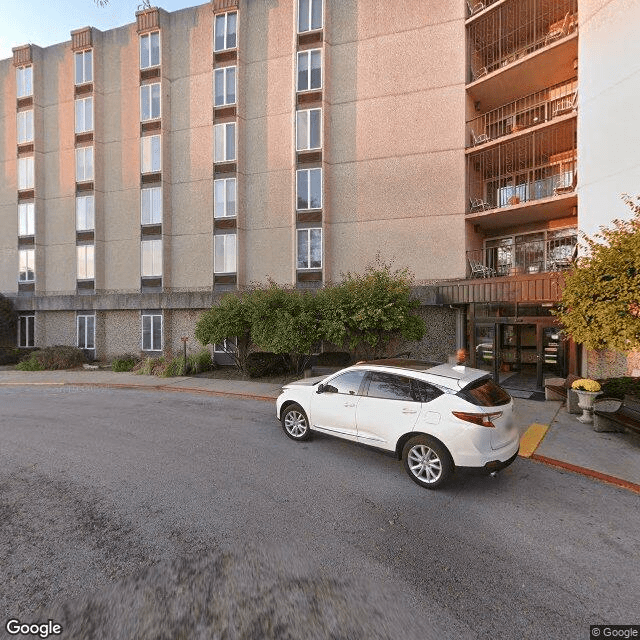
point(320, 388)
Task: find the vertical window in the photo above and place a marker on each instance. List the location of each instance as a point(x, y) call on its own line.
point(224, 259)
point(150, 161)
point(151, 258)
point(309, 248)
point(150, 50)
point(309, 189)
point(26, 268)
point(308, 129)
point(86, 262)
point(24, 81)
point(150, 101)
point(225, 198)
point(226, 28)
point(25, 173)
point(84, 164)
point(85, 210)
point(86, 332)
point(225, 142)
point(151, 332)
point(84, 66)
point(309, 15)
point(25, 126)
point(225, 86)
point(151, 206)
point(84, 115)
point(26, 331)
point(26, 219)
point(309, 70)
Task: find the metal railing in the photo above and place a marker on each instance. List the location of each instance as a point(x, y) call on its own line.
point(540, 164)
point(510, 257)
point(516, 29)
point(523, 113)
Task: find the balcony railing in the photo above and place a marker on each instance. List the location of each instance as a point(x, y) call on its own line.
point(516, 29)
point(510, 257)
point(541, 164)
point(524, 113)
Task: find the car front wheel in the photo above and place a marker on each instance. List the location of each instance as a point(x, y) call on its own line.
point(427, 462)
point(295, 423)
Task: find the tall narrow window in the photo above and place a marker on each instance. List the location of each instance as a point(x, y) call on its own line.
point(86, 262)
point(226, 29)
point(85, 213)
point(26, 267)
point(25, 173)
point(150, 101)
point(151, 258)
point(225, 86)
point(150, 157)
point(309, 188)
point(84, 164)
point(84, 115)
point(26, 219)
point(224, 259)
point(26, 331)
point(225, 142)
point(25, 126)
point(86, 332)
point(309, 15)
point(24, 81)
point(84, 66)
point(151, 206)
point(308, 129)
point(309, 70)
point(309, 248)
point(150, 50)
point(151, 332)
point(225, 198)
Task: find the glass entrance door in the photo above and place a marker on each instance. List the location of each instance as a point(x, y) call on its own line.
point(518, 356)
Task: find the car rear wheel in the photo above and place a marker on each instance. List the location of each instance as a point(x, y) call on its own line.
point(427, 462)
point(295, 422)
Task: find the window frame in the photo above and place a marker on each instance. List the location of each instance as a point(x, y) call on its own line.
point(84, 80)
point(308, 195)
point(29, 178)
point(88, 261)
point(309, 53)
point(225, 72)
point(223, 127)
point(361, 387)
point(226, 15)
point(86, 199)
point(86, 317)
point(81, 122)
point(25, 124)
point(226, 213)
point(83, 152)
point(371, 374)
point(30, 326)
point(310, 14)
point(152, 209)
point(151, 139)
point(308, 146)
point(20, 81)
point(308, 231)
point(154, 317)
point(30, 255)
point(153, 249)
point(149, 36)
point(149, 88)
point(225, 241)
point(29, 208)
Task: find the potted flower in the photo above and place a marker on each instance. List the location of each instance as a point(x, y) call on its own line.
point(587, 391)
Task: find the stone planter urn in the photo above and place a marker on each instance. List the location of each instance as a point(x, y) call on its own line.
point(585, 402)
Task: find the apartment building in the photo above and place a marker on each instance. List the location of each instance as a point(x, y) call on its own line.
point(147, 170)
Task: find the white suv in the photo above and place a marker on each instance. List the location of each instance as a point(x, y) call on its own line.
point(436, 418)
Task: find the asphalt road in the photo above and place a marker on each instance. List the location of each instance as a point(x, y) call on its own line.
point(141, 515)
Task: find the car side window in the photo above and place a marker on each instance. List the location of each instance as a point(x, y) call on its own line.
point(390, 387)
point(347, 383)
point(424, 392)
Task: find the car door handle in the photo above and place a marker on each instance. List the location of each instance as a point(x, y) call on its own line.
point(409, 411)
point(349, 404)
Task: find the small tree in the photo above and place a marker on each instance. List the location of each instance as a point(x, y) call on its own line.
point(230, 318)
point(368, 310)
point(600, 305)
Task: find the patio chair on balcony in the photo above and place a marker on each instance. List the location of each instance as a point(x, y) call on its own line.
point(474, 7)
point(478, 270)
point(559, 29)
point(478, 204)
point(483, 137)
point(561, 189)
point(565, 105)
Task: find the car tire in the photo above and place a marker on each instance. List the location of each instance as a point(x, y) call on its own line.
point(295, 423)
point(427, 462)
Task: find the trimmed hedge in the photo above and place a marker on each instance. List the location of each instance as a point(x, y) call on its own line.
point(265, 363)
point(57, 357)
point(334, 359)
point(618, 387)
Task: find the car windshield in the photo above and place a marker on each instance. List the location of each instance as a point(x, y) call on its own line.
point(485, 393)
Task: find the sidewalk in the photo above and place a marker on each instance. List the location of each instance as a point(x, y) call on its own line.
point(549, 434)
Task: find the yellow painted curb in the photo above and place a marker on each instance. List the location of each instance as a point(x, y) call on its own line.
point(531, 439)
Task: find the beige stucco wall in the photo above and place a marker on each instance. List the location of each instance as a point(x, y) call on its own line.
point(608, 113)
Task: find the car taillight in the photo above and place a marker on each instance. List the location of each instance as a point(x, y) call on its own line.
point(482, 419)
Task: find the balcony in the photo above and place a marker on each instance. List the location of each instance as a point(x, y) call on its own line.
point(524, 113)
point(512, 256)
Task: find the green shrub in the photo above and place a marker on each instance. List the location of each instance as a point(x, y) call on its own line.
point(265, 363)
point(618, 387)
point(13, 355)
point(172, 368)
point(57, 357)
point(124, 363)
point(334, 359)
point(199, 362)
point(30, 364)
point(144, 367)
